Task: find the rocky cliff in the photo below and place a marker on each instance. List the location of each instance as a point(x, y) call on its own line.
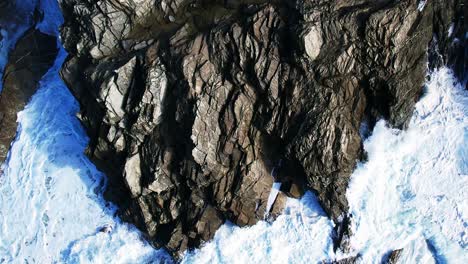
point(190, 104)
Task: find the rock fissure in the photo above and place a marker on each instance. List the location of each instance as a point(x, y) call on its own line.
point(203, 98)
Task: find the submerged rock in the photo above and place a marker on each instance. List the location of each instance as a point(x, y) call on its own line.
point(32, 57)
point(394, 256)
point(190, 104)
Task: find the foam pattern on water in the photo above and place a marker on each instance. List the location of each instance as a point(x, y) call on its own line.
point(300, 235)
point(51, 205)
point(415, 185)
point(410, 194)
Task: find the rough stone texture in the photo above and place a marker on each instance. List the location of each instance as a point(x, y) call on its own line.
point(349, 260)
point(450, 43)
point(190, 104)
point(32, 57)
point(394, 256)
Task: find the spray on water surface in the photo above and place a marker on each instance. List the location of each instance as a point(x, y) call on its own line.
point(410, 194)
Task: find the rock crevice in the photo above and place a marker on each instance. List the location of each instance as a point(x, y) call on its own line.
point(190, 104)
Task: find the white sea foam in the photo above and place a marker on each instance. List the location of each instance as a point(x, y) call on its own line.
point(275, 189)
point(421, 5)
point(51, 208)
point(415, 184)
point(300, 235)
point(411, 193)
point(51, 205)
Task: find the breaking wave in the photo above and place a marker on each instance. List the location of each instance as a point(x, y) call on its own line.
point(51, 205)
point(411, 193)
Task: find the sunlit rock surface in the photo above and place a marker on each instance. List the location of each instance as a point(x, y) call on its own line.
point(51, 205)
point(190, 104)
point(409, 194)
point(137, 81)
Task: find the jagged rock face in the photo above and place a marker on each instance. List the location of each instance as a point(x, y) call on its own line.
point(450, 44)
point(190, 104)
point(349, 260)
point(32, 57)
point(394, 256)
